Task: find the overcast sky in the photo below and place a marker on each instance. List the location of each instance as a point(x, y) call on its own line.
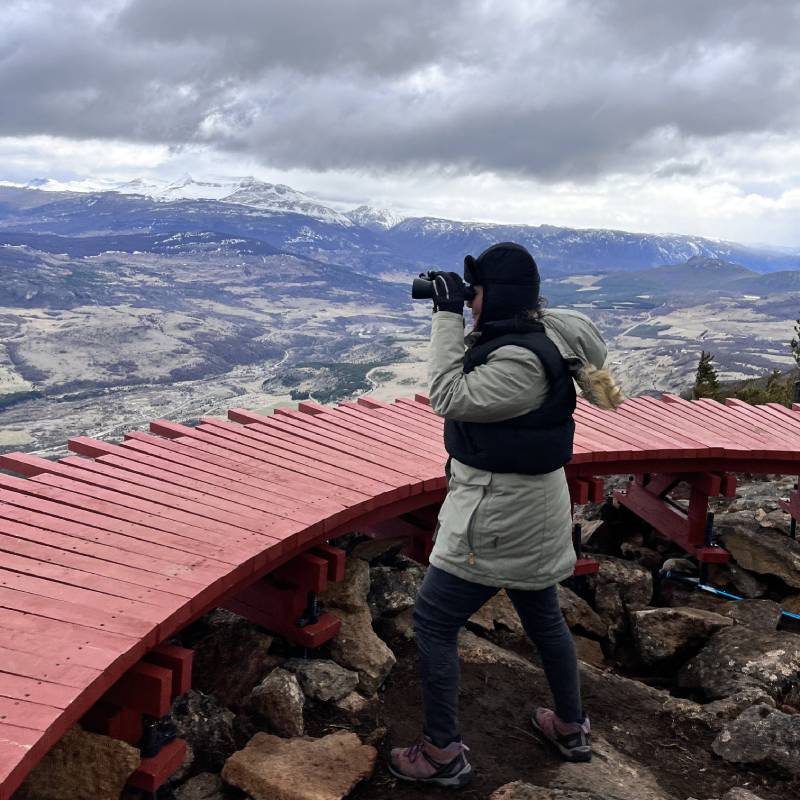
point(649, 116)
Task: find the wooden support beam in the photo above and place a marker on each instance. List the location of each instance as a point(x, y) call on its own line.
point(178, 660)
point(154, 772)
point(306, 571)
point(336, 558)
point(118, 722)
point(586, 566)
point(144, 687)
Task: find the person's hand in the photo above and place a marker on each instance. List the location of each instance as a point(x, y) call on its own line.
point(448, 292)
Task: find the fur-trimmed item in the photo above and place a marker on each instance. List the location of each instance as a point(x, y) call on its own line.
point(599, 387)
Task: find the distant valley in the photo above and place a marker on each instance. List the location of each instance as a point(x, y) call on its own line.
point(117, 307)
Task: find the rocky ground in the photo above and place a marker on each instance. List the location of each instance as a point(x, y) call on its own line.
point(690, 695)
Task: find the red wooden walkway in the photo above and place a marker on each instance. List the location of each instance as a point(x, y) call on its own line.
point(105, 554)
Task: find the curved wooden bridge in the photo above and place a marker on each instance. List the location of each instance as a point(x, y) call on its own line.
point(105, 554)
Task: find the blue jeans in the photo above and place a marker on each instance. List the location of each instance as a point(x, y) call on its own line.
point(444, 604)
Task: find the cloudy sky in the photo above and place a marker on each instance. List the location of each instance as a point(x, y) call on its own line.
point(647, 116)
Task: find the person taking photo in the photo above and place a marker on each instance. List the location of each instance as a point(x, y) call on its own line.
point(507, 394)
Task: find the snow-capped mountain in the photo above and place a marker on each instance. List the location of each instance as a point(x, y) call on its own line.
point(374, 218)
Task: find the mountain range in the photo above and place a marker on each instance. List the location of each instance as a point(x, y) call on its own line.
point(364, 239)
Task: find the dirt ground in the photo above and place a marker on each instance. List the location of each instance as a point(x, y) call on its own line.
point(495, 706)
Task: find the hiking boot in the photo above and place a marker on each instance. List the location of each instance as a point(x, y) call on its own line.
point(423, 762)
point(573, 739)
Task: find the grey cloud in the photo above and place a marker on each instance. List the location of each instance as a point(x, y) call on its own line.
point(569, 91)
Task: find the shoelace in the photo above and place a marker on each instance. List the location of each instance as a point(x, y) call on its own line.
point(418, 748)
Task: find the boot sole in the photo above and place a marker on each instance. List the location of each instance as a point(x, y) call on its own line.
point(453, 782)
point(576, 755)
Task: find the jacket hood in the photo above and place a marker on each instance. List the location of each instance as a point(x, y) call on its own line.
point(576, 337)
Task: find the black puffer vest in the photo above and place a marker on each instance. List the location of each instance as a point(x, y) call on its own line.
point(534, 443)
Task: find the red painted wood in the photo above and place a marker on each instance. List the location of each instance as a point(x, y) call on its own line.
point(23, 687)
point(27, 714)
point(586, 566)
point(307, 571)
point(144, 687)
point(154, 772)
point(118, 722)
point(336, 559)
point(178, 660)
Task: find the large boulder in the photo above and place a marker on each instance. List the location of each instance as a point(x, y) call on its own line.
point(357, 647)
point(739, 657)
point(671, 634)
point(207, 727)
point(737, 579)
point(498, 612)
point(527, 791)
point(762, 735)
point(321, 679)
point(611, 775)
point(760, 614)
point(279, 699)
point(351, 593)
point(82, 764)
point(579, 614)
point(271, 768)
point(620, 588)
point(231, 659)
point(715, 714)
point(767, 552)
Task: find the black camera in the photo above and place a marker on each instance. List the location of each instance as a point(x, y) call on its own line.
point(422, 287)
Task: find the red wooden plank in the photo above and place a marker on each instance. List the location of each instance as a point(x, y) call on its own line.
point(276, 441)
point(98, 583)
point(30, 525)
point(148, 582)
point(89, 616)
point(25, 714)
point(144, 687)
point(107, 516)
point(308, 571)
point(221, 497)
point(345, 442)
point(257, 455)
point(423, 399)
point(762, 422)
point(178, 660)
point(19, 687)
point(347, 422)
point(44, 668)
point(336, 559)
point(84, 645)
point(184, 530)
point(153, 772)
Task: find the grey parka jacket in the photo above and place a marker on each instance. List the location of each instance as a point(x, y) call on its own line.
point(504, 529)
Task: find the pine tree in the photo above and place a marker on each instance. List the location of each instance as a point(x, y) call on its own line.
point(706, 383)
point(794, 344)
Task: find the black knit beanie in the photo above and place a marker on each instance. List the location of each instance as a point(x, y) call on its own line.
point(510, 280)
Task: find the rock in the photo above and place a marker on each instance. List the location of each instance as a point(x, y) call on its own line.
point(682, 566)
point(759, 614)
point(498, 611)
point(232, 659)
point(646, 556)
point(589, 651)
point(527, 791)
point(761, 735)
point(355, 703)
point(740, 793)
point(766, 552)
point(321, 679)
point(741, 581)
point(279, 699)
point(207, 727)
point(610, 775)
point(375, 737)
point(376, 551)
point(579, 614)
point(271, 768)
point(474, 650)
point(204, 786)
point(791, 604)
point(400, 626)
point(351, 593)
point(358, 647)
point(716, 713)
point(671, 634)
point(739, 657)
point(394, 589)
point(620, 588)
point(82, 764)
